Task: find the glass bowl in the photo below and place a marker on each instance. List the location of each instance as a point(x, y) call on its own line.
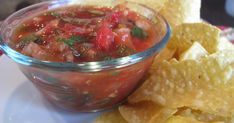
point(85, 86)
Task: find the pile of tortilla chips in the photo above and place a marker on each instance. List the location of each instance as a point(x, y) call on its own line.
point(191, 80)
point(175, 11)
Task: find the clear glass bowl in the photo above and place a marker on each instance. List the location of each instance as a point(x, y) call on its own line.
point(86, 86)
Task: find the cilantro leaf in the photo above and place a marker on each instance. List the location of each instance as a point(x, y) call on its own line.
point(74, 39)
point(138, 32)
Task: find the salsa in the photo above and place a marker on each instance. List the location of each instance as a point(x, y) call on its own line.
point(84, 34)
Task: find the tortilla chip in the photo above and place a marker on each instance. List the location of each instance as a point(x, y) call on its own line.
point(177, 12)
point(224, 44)
point(164, 54)
point(145, 112)
point(186, 34)
point(206, 85)
point(181, 119)
point(202, 116)
point(110, 117)
point(154, 4)
point(195, 52)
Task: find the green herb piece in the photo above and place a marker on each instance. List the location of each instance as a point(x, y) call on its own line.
point(27, 39)
point(73, 39)
point(138, 32)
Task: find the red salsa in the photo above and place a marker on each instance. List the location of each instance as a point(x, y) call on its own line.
point(83, 34)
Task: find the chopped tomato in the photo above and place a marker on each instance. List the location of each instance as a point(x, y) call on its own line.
point(132, 16)
point(105, 38)
point(115, 18)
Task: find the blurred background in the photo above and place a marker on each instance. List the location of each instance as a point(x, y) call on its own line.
point(213, 11)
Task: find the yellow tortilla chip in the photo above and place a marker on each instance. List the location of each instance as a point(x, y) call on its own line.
point(206, 85)
point(186, 34)
point(110, 117)
point(224, 44)
point(195, 52)
point(181, 11)
point(145, 112)
point(202, 116)
point(154, 4)
point(165, 54)
point(181, 119)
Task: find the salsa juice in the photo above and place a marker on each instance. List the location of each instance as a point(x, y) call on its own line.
point(77, 91)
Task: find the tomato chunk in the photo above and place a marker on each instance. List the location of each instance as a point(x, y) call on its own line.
point(105, 38)
point(115, 18)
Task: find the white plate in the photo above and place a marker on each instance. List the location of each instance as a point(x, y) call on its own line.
point(20, 102)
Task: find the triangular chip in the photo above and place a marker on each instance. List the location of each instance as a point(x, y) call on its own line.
point(195, 52)
point(165, 54)
point(185, 34)
point(181, 119)
point(154, 4)
point(224, 44)
point(177, 12)
point(110, 117)
point(145, 112)
point(206, 85)
point(202, 116)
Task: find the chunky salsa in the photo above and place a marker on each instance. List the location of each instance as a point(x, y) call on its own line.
point(83, 34)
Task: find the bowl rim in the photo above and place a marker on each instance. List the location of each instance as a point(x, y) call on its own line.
point(94, 66)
